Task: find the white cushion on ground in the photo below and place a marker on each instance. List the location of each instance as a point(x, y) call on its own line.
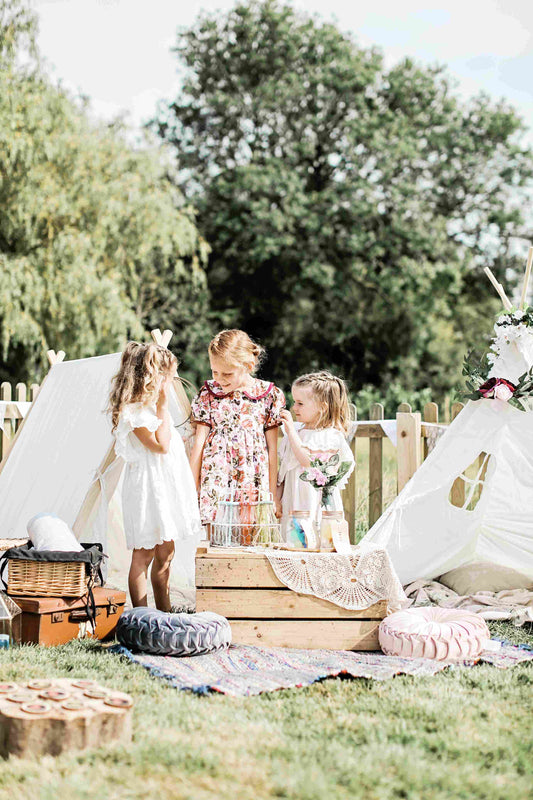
point(484, 577)
point(48, 532)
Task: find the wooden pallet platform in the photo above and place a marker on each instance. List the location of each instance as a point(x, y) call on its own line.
point(243, 587)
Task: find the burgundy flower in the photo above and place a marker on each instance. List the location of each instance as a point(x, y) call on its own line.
point(491, 388)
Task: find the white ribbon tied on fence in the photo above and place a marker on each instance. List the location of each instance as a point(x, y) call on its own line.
point(21, 406)
point(390, 429)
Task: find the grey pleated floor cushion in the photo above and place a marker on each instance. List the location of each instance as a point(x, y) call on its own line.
point(147, 630)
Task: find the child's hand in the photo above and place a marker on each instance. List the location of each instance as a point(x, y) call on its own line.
point(165, 389)
point(278, 511)
point(286, 418)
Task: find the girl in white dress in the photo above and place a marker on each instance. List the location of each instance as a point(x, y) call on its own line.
point(159, 496)
point(322, 417)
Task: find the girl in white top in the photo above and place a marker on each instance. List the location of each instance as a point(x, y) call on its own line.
point(322, 416)
point(159, 496)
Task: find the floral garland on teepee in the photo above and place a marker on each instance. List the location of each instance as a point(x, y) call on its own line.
point(510, 327)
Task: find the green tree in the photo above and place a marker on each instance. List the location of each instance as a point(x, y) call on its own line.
point(349, 207)
point(96, 243)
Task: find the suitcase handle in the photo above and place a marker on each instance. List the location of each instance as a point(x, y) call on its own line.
point(81, 615)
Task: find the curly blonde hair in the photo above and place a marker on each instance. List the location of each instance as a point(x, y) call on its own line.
point(136, 381)
point(236, 347)
point(331, 394)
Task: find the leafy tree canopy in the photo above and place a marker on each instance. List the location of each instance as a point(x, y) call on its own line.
point(349, 207)
point(96, 243)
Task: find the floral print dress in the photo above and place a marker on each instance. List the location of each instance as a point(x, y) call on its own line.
point(235, 456)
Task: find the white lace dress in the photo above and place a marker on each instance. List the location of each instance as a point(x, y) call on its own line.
point(299, 495)
point(159, 500)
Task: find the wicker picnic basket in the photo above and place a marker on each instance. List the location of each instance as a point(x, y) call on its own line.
point(47, 579)
point(51, 573)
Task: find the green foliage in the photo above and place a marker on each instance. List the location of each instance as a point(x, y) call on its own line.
point(476, 367)
point(96, 243)
point(390, 397)
point(349, 207)
point(18, 27)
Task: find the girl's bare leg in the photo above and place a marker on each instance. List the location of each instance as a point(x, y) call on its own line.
point(140, 561)
point(160, 574)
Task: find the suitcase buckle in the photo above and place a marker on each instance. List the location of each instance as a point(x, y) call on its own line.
point(58, 616)
point(112, 609)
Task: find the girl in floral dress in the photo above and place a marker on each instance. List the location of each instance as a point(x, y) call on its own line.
point(237, 419)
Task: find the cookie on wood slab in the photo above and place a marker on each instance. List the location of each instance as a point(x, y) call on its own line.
point(49, 717)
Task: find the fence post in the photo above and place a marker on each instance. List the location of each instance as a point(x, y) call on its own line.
point(409, 431)
point(375, 470)
point(350, 493)
point(34, 391)
point(457, 494)
point(7, 430)
point(20, 395)
point(431, 414)
point(405, 408)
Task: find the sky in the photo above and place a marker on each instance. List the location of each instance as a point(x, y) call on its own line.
point(117, 52)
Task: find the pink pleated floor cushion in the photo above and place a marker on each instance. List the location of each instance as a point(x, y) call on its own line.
point(445, 634)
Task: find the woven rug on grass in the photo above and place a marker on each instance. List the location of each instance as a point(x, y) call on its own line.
point(245, 670)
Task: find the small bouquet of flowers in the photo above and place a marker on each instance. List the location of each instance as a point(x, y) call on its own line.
point(324, 475)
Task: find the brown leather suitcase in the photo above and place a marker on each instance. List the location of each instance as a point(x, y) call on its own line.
point(56, 620)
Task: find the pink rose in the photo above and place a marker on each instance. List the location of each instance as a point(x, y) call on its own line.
point(317, 476)
point(502, 392)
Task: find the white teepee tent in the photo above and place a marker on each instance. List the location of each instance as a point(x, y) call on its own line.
point(423, 532)
point(425, 535)
point(62, 460)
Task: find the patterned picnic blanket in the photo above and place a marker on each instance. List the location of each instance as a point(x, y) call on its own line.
point(246, 670)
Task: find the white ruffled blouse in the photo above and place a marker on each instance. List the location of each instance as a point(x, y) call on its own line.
point(299, 495)
point(159, 500)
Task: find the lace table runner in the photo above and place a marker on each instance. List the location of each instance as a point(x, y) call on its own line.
point(354, 581)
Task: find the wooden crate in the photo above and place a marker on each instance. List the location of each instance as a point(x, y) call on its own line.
point(243, 587)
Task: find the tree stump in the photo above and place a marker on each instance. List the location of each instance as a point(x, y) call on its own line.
point(48, 717)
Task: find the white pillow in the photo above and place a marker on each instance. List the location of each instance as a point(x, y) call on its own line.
point(49, 532)
point(484, 577)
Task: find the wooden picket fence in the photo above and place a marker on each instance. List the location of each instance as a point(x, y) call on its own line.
point(12, 416)
point(413, 430)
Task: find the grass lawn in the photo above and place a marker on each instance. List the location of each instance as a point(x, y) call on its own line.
point(465, 733)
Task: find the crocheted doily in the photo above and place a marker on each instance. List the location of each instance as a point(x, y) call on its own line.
point(354, 581)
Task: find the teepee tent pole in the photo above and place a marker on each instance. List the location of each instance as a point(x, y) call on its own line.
point(55, 358)
point(526, 277)
point(499, 288)
point(163, 339)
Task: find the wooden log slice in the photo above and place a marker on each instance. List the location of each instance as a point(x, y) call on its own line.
point(49, 717)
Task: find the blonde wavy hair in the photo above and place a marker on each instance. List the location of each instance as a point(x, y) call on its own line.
point(331, 395)
point(236, 348)
point(137, 378)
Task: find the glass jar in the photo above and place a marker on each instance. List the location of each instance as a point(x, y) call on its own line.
point(330, 519)
point(300, 531)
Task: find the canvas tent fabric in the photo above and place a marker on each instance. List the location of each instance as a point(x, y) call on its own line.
point(63, 461)
point(425, 535)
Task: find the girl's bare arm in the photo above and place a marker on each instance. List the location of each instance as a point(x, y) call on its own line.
point(195, 459)
point(301, 452)
point(158, 441)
